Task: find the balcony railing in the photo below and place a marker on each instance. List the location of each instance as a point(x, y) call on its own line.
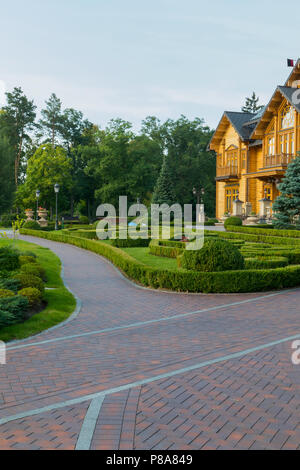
point(283, 159)
point(230, 171)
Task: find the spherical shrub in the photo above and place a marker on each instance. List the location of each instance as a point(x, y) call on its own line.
point(215, 255)
point(33, 268)
point(6, 293)
point(33, 296)
point(84, 220)
point(32, 225)
point(233, 221)
point(29, 280)
point(26, 259)
point(9, 259)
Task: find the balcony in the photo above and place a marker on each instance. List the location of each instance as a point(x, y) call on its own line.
point(229, 172)
point(282, 160)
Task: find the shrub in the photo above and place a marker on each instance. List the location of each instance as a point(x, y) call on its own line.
point(13, 310)
point(233, 221)
point(26, 259)
point(29, 280)
point(156, 248)
point(10, 284)
point(6, 293)
point(9, 259)
point(215, 255)
point(32, 225)
point(84, 220)
point(33, 268)
point(28, 253)
point(33, 296)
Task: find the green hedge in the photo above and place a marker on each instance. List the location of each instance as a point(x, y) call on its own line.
point(258, 237)
point(266, 263)
point(223, 282)
point(157, 248)
point(130, 242)
point(264, 231)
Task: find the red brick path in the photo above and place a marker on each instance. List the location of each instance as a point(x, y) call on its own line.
point(249, 402)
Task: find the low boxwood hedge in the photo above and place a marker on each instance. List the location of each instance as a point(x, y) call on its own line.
point(130, 242)
point(263, 231)
point(266, 263)
point(186, 281)
point(157, 248)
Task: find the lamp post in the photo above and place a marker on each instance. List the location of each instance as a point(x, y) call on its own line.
point(37, 193)
point(199, 193)
point(56, 190)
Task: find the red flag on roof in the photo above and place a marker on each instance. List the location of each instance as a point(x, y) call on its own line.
point(291, 63)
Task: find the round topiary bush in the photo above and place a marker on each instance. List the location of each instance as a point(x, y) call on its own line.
point(32, 225)
point(233, 221)
point(215, 255)
point(29, 280)
point(33, 296)
point(84, 220)
point(6, 293)
point(33, 268)
point(26, 259)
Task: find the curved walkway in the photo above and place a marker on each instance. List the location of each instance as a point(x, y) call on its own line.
point(143, 369)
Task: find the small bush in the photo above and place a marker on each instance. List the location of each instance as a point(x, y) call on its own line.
point(236, 221)
point(215, 255)
point(9, 259)
point(29, 280)
point(33, 296)
point(6, 293)
point(26, 259)
point(32, 225)
point(33, 268)
point(266, 262)
point(13, 310)
point(84, 220)
point(10, 284)
point(28, 253)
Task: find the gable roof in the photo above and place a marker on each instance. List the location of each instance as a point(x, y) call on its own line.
point(237, 120)
point(272, 106)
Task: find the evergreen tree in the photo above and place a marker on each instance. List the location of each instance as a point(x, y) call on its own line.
point(287, 205)
point(251, 105)
point(52, 118)
point(164, 192)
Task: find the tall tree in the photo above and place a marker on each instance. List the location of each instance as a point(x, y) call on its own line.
point(7, 183)
point(251, 104)
point(164, 192)
point(51, 122)
point(17, 121)
point(286, 207)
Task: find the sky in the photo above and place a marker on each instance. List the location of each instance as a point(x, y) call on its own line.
point(135, 58)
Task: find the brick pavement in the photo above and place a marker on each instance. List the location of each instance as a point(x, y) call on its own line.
point(248, 402)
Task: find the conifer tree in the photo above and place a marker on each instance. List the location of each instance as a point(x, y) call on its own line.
point(251, 105)
point(286, 207)
point(164, 192)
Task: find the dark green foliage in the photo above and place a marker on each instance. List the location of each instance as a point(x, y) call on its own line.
point(130, 242)
point(164, 192)
point(237, 221)
point(216, 255)
point(11, 284)
point(84, 220)
point(32, 225)
point(9, 259)
point(12, 310)
point(6, 293)
point(251, 104)
point(286, 207)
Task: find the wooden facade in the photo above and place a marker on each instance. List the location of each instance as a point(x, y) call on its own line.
point(253, 151)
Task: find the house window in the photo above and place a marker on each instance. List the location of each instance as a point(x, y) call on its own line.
point(232, 158)
point(243, 160)
point(287, 117)
point(287, 143)
point(271, 146)
point(231, 195)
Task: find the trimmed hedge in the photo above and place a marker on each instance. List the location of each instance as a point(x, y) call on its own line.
point(266, 263)
point(157, 248)
point(214, 256)
point(263, 231)
point(258, 237)
point(32, 225)
point(130, 242)
point(223, 282)
point(233, 221)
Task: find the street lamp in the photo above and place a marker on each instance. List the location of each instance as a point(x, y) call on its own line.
point(56, 190)
point(37, 193)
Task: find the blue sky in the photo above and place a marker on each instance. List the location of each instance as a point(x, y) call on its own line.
point(133, 58)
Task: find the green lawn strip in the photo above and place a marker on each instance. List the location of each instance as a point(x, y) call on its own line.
point(60, 302)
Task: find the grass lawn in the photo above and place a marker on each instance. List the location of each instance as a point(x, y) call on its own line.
point(60, 302)
point(158, 262)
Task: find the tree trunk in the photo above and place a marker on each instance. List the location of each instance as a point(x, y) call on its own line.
point(17, 161)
